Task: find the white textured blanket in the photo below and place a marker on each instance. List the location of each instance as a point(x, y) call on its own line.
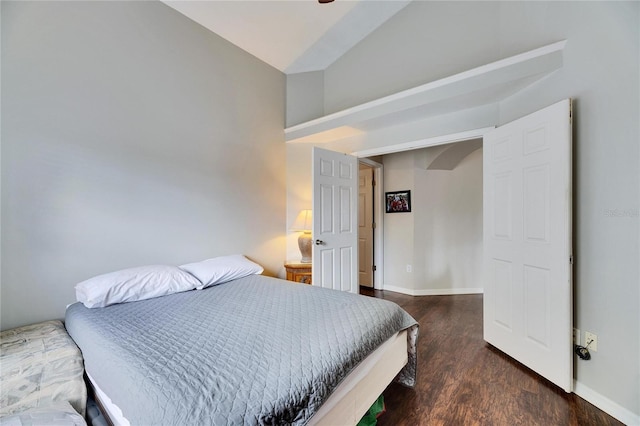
point(40, 366)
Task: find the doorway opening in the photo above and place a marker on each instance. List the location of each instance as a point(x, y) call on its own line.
point(437, 249)
point(370, 233)
point(366, 225)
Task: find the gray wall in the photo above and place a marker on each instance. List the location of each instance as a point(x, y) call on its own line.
point(305, 97)
point(425, 41)
point(130, 136)
point(429, 40)
point(442, 236)
point(400, 228)
point(449, 222)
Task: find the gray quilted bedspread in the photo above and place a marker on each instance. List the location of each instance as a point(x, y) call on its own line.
point(257, 350)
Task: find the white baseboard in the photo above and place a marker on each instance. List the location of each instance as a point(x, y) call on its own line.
point(433, 292)
point(605, 404)
point(448, 291)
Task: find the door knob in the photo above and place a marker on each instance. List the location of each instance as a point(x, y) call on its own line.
point(319, 242)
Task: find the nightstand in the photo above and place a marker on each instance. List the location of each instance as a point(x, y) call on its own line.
point(298, 272)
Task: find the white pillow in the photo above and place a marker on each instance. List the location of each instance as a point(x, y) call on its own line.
point(130, 285)
point(222, 269)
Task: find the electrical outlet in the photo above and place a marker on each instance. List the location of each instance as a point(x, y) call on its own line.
point(409, 269)
point(576, 336)
point(591, 341)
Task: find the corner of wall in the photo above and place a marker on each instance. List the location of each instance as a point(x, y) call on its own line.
point(304, 97)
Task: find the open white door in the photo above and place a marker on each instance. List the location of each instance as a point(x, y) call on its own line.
point(365, 225)
point(528, 242)
point(335, 224)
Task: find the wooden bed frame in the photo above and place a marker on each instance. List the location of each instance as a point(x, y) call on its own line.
point(353, 397)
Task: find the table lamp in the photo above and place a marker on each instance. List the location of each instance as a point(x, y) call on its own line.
point(303, 224)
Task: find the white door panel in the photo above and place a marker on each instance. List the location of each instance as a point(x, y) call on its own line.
point(527, 241)
point(335, 225)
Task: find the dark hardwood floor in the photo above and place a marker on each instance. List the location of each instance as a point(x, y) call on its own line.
point(464, 381)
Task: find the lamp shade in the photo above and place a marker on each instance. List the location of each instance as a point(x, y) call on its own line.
point(303, 222)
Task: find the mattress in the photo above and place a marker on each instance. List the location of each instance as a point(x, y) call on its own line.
point(41, 367)
point(256, 350)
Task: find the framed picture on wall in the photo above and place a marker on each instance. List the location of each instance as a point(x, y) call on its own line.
point(398, 201)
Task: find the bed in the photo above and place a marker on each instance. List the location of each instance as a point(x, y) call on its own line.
point(41, 376)
point(252, 350)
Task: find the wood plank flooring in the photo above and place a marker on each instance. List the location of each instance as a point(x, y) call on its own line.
point(464, 381)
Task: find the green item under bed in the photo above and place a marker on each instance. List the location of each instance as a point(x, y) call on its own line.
point(371, 417)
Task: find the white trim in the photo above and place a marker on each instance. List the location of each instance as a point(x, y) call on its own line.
point(378, 249)
point(424, 143)
point(486, 84)
point(605, 404)
point(448, 291)
point(369, 162)
point(432, 292)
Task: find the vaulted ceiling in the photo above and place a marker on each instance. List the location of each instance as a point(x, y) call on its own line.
point(291, 35)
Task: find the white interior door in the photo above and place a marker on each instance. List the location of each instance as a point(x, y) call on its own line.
point(528, 242)
point(335, 224)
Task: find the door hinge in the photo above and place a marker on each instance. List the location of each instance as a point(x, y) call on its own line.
point(570, 260)
point(373, 225)
point(373, 268)
point(373, 182)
